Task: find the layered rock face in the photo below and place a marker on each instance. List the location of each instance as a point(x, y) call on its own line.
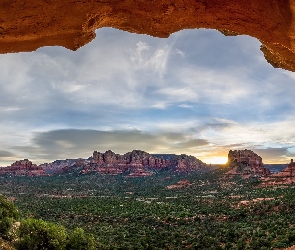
point(246, 164)
point(23, 168)
point(139, 163)
point(134, 158)
point(245, 156)
point(26, 25)
point(286, 176)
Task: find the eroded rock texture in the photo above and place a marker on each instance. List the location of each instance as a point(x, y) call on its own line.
point(132, 164)
point(246, 163)
point(26, 25)
point(139, 163)
point(23, 168)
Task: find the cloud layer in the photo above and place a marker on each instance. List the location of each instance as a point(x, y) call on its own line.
point(196, 92)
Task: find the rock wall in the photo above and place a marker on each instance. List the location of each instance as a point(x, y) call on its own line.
point(26, 25)
point(135, 164)
point(134, 158)
point(139, 163)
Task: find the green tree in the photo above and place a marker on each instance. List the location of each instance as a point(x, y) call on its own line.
point(37, 234)
point(78, 240)
point(8, 213)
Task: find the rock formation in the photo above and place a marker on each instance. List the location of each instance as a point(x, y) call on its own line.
point(134, 164)
point(139, 163)
point(23, 168)
point(286, 176)
point(58, 166)
point(26, 25)
point(246, 163)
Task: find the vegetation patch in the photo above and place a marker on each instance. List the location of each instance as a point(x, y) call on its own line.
point(113, 212)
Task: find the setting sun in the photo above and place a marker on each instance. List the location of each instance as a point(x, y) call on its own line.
point(216, 160)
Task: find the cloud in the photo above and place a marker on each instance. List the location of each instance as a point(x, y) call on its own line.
point(6, 157)
point(5, 154)
point(8, 109)
point(185, 106)
point(192, 143)
point(147, 58)
point(179, 52)
point(216, 125)
point(121, 71)
point(176, 94)
point(273, 155)
point(73, 143)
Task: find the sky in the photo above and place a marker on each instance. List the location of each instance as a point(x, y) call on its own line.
point(197, 92)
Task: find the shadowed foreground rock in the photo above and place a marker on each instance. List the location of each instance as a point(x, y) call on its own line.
point(26, 25)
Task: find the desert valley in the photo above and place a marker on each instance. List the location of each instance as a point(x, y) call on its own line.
point(204, 87)
point(144, 201)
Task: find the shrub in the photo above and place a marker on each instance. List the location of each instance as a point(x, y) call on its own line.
point(37, 234)
point(8, 213)
point(78, 240)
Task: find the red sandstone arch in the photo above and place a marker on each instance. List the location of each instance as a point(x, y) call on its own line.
point(26, 25)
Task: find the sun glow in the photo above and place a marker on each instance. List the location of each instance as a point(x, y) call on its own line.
point(216, 160)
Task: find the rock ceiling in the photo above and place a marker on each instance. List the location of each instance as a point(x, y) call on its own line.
point(26, 25)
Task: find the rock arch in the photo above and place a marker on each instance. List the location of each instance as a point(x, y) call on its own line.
point(26, 25)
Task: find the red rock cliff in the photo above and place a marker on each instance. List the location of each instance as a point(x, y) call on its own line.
point(140, 163)
point(26, 25)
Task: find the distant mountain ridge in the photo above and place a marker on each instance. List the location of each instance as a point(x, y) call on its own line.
point(137, 163)
point(140, 163)
point(275, 168)
point(134, 164)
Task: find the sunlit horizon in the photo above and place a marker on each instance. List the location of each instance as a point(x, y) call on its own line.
point(216, 160)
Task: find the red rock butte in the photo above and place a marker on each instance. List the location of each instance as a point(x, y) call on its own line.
point(26, 25)
point(247, 164)
point(23, 168)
